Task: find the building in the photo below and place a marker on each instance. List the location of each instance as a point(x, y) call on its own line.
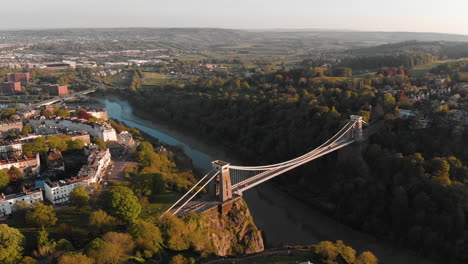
point(55, 160)
point(8, 148)
point(28, 113)
point(19, 77)
point(102, 130)
point(59, 192)
point(56, 89)
point(57, 66)
point(10, 87)
point(126, 139)
point(30, 164)
point(7, 203)
point(98, 161)
point(100, 114)
point(7, 126)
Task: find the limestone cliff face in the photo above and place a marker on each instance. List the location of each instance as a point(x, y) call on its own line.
point(233, 233)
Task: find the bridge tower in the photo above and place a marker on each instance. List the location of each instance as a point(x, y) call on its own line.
point(222, 184)
point(357, 132)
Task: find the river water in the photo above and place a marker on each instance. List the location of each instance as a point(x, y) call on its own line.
point(283, 219)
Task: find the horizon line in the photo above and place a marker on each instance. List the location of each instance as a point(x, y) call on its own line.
point(239, 29)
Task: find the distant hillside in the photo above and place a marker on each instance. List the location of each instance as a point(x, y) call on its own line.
point(437, 48)
point(227, 40)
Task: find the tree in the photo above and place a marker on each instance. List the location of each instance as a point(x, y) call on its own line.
point(11, 244)
point(147, 236)
point(45, 246)
point(38, 146)
point(4, 178)
point(16, 173)
point(41, 215)
point(367, 257)
point(79, 196)
point(327, 250)
point(111, 249)
point(148, 184)
point(76, 144)
point(76, 258)
point(29, 260)
point(99, 142)
point(26, 130)
point(389, 100)
point(83, 114)
point(64, 245)
point(181, 259)
point(121, 202)
point(56, 142)
point(102, 220)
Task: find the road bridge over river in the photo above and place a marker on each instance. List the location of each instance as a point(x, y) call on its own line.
point(226, 182)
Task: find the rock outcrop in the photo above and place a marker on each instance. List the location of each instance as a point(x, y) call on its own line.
point(234, 233)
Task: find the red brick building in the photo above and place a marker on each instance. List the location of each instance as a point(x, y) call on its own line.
point(57, 89)
point(18, 77)
point(10, 87)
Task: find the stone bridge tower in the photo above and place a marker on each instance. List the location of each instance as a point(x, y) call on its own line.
point(357, 131)
point(221, 186)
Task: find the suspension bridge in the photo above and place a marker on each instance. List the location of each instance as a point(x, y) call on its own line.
point(226, 182)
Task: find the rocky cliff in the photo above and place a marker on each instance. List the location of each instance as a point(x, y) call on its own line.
point(234, 233)
point(231, 233)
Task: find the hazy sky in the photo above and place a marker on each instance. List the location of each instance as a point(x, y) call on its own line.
point(450, 16)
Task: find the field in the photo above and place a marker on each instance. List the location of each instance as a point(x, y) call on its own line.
point(423, 69)
point(154, 78)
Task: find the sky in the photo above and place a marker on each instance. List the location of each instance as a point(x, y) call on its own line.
point(448, 16)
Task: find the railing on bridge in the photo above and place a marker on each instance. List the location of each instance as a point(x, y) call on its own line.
point(226, 180)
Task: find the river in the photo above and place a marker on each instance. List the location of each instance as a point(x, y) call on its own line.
point(283, 219)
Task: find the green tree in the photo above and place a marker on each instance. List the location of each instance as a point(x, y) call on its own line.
point(26, 130)
point(38, 146)
point(76, 144)
point(113, 248)
point(41, 215)
point(79, 196)
point(11, 244)
point(64, 245)
point(148, 184)
point(102, 220)
point(56, 142)
point(147, 236)
point(121, 202)
point(16, 173)
point(4, 178)
point(99, 142)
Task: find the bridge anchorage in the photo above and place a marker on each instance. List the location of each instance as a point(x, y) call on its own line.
point(226, 182)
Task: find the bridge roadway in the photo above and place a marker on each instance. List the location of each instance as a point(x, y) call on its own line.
point(200, 205)
point(241, 178)
point(269, 174)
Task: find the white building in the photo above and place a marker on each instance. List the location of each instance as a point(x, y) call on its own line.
point(59, 192)
point(102, 130)
point(100, 114)
point(9, 148)
point(98, 161)
point(7, 203)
